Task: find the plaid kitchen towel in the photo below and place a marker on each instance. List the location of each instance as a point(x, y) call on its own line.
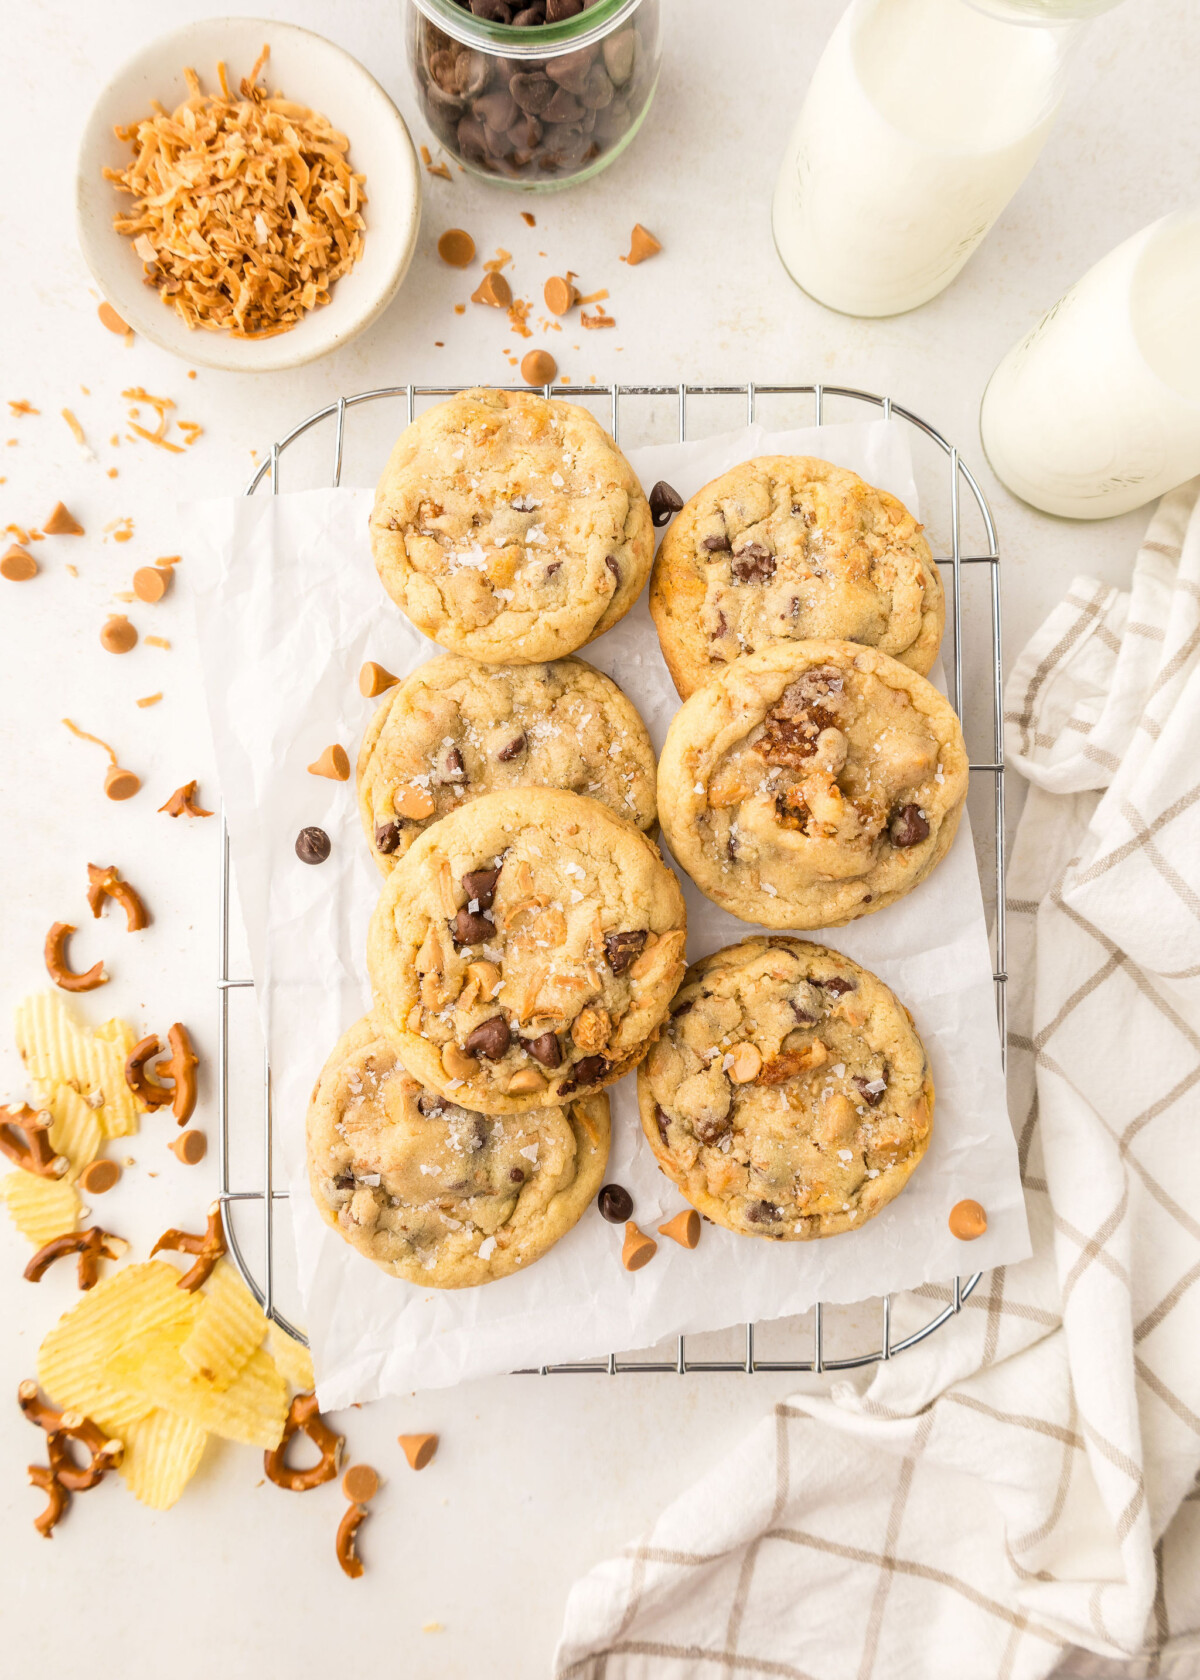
point(1026, 1480)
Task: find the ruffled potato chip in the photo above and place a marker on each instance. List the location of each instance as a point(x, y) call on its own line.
point(228, 1328)
point(293, 1359)
point(162, 1454)
point(40, 1208)
point(59, 1050)
point(252, 1409)
point(76, 1132)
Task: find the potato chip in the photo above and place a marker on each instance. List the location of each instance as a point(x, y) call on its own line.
point(40, 1208)
point(293, 1359)
point(59, 1050)
point(73, 1359)
point(76, 1132)
point(252, 1409)
point(229, 1327)
point(162, 1454)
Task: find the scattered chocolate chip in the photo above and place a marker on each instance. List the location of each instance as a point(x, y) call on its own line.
point(763, 1213)
point(615, 1204)
point(516, 1176)
point(480, 886)
point(611, 563)
point(428, 1105)
point(872, 1090)
point(470, 929)
point(908, 827)
point(664, 501)
point(490, 1038)
point(837, 985)
point(512, 749)
point(455, 768)
point(622, 948)
point(387, 838)
point(589, 1070)
point(752, 564)
point(545, 1049)
point(716, 545)
point(344, 1181)
point(313, 845)
point(660, 1120)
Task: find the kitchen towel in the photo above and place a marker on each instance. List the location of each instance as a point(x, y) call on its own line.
point(1027, 1479)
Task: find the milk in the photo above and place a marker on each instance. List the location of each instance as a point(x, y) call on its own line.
point(922, 119)
point(1097, 410)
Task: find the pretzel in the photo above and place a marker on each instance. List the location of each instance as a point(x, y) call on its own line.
point(40, 1475)
point(183, 803)
point(180, 1067)
point(208, 1249)
point(303, 1415)
point(60, 970)
point(107, 883)
point(34, 1151)
point(347, 1535)
point(104, 1453)
point(91, 1246)
point(145, 1089)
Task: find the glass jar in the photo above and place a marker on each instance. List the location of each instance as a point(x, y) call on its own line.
point(534, 105)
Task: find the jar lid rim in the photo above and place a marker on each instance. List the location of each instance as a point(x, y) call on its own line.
point(546, 40)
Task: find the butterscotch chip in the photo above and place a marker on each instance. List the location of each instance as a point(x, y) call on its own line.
point(119, 783)
point(493, 289)
point(118, 635)
point(110, 319)
point(418, 1449)
point(642, 244)
point(189, 1147)
point(967, 1221)
point(18, 565)
point(560, 295)
point(150, 583)
point(62, 523)
point(360, 1484)
point(456, 247)
point(683, 1229)
point(375, 679)
point(99, 1176)
point(539, 368)
point(638, 1249)
point(333, 763)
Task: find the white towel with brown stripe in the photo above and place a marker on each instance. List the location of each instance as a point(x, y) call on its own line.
point(1028, 1479)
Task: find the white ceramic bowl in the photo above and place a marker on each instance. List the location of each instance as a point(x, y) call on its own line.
point(306, 68)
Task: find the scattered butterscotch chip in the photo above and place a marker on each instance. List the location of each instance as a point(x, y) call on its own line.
point(117, 634)
point(98, 1177)
point(457, 248)
point(460, 309)
point(683, 1229)
point(182, 803)
point(148, 700)
point(967, 1221)
point(642, 244)
point(333, 763)
point(539, 368)
point(360, 1484)
point(62, 523)
point(119, 783)
point(110, 319)
point(560, 295)
point(418, 1449)
point(638, 1249)
point(375, 679)
point(18, 565)
point(493, 290)
point(150, 583)
point(599, 319)
point(189, 1147)
point(158, 642)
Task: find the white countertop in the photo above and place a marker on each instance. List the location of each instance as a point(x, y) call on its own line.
point(536, 1478)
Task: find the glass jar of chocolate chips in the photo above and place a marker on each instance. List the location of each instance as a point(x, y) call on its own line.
point(535, 95)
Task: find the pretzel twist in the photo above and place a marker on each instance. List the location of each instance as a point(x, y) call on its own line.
point(207, 1248)
point(304, 1416)
point(25, 1139)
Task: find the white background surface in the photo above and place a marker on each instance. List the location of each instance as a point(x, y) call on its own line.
point(536, 1478)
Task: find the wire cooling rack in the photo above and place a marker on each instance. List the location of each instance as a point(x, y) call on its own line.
point(950, 500)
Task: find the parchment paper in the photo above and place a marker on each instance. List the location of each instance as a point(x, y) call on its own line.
point(288, 607)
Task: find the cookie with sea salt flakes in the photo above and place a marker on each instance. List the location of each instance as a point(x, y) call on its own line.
point(510, 528)
point(456, 729)
point(433, 1192)
point(525, 950)
point(789, 1096)
point(787, 548)
point(812, 783)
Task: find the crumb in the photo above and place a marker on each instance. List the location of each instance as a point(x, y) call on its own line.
point(518, 315)
point(496, 263)
point(112, 472)
point(86, 391)
point(156, 641)
point(71, 571)
point(599, 319)
point(460, 309)
point(432, 1627)
point(20, 406)
point(440, 170)
point(438, 344)
point(594, 297)
point(426, 159)
point(148, 700)
point(191, 373)
point(529, 218)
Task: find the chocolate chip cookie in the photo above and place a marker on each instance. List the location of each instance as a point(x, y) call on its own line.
point(787, 548)
point(455, 730)
point(525, 949)
point(510, 527)
point(789, 1096)
point(433, 1192)
point(812, 783)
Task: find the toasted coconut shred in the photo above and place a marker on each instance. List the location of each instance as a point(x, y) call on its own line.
point(245, 210)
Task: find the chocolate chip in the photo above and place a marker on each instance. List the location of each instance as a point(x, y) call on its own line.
point(313, 845)
point(763, 1213)
point(344, 1181)
point(611, 563)
point(664, 501)
point(563, 108)
point(837, 985)
point(683, 1009)
point(529, 16)
point(490, 1039)
point(480, 886)
point(660, 1120)
point(598, 91)
point(455, 767)
point(545, 1049)
point(752, 564)
point(570, 70)
point(872, 1097)
point(622, 948)
point(516, 1176)
point(492, 11)
point(532, 91)
point(589, 1070)
point(615, 1204)
point(803, 1014)
point(555, 566)
point(472, 140)
point(710, 1131)
point(908, 827)
point(428, 1105)
point(716, 545)
point(499, 110)
point(526, 135)
point(558, 11)
point(387, 838)
point(470, 929)
point(512, 749)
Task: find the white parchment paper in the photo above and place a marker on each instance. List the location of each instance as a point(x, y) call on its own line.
point(289, 606)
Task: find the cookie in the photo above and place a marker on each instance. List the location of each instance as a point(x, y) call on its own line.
point(812, 783)
point(787, 548)
point(510, 528)
point(432, 1192)
point(525, 949)
point(789, 1096)
point(455, 729)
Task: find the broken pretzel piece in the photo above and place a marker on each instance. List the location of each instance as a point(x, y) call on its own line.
point(91, 1246)
point(208, 1248)
point(107, 883)
point(32, 1151)
point(304, 1416)
point(182, 803)
point(41, 1476)
point(63, 1476)
point(180, 1067)
point(347, 1536)
point(59, 969)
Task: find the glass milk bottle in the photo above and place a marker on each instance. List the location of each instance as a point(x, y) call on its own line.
point(922, 119)
point(1097, 410)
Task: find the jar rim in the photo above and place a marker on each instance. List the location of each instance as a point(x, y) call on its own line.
point(543, 40)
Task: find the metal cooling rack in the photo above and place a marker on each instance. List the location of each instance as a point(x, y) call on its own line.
point(955, 477)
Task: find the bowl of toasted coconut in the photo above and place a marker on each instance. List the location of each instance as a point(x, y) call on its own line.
point(248, 196)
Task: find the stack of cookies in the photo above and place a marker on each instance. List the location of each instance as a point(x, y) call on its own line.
point(527, 949)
